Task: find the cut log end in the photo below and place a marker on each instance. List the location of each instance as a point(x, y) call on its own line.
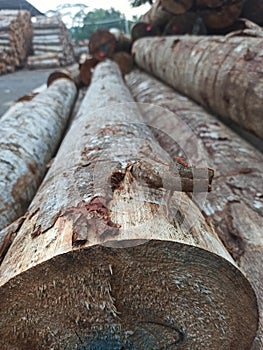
point(140, 296)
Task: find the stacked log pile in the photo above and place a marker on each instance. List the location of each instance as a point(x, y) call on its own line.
point(200, 16)
point(235, 205)
point(113, 258)
point(52, 44)
point(15, 39)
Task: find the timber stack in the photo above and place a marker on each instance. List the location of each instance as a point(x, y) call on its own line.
point(15, 39)
point(106, 212)
point(52, 44)
point(199, 17)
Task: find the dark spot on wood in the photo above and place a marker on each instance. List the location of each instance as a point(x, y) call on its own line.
point(36, 232)
point(249, 55)
point(174, 44)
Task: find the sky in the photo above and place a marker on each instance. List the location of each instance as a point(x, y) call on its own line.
point(122, 5)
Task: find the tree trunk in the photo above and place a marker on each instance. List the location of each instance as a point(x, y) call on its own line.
point(86, 69)
point(30, 133)
point(236, 203)
point(108, 262)
point(223, 74)
point(71, 73)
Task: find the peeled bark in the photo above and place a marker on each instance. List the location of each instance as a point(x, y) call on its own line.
point(223, 74)
point(235, 205)
point(107, 265)
point(30, 133)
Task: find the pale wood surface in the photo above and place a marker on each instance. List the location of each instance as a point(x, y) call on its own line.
point(107, 259)
point(235, 204)
point(224, 74)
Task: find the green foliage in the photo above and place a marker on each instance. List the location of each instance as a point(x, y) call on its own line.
point(99, 19)
point(83, 23)
point(137, 3)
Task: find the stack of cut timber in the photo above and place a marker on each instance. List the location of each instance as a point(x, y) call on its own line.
point(201, 16)
point(15, 39)
point(109, 263)
point(52, 44)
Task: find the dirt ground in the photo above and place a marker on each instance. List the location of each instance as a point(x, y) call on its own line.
point(15, 85)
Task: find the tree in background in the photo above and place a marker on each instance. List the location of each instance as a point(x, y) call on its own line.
point(100, 19)
point(83, 23)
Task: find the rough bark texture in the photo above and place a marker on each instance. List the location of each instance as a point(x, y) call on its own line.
point(236, 203)
point(108, 262)
point(30, 133)
point(223, 74)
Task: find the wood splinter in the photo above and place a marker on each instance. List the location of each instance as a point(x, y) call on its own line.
point(177, 177)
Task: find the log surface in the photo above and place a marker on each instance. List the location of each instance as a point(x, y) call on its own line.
point(30, 133)
point(235, 205)
point(223, 74)
point(107, 265)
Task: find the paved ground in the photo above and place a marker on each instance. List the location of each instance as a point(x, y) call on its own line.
point(15, 85)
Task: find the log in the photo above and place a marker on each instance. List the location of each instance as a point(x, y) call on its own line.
point(222, 17)
point(125, 62)
point(176, 7)
point(102, 44)
point(103, 226)
point(253, 10)
point(224, 74)
point(71, 73)
point(86, 69)
point(186, 128)
point(156, 15)
point(186, 23)
point(30, 133)
point(44, 63)
point(123, 41)
point(106, 264)
point(141, 29)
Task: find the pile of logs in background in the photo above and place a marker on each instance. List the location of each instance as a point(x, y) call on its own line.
point(15, 39)
point(198, 17)
point(146, 231)
point(52, 44)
